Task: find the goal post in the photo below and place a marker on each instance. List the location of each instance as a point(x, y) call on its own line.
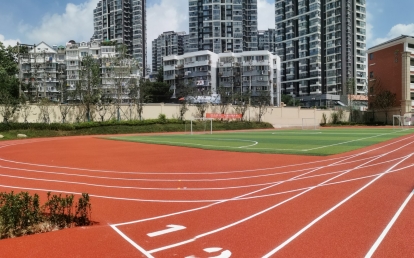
point(309, 123)
point(397, 121)
point(202, 125)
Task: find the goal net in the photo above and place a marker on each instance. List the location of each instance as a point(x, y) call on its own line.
point(201, 125)
point(397, 121)
point(309, 124)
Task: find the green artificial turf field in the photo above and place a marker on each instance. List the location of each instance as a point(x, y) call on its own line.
point(303, 142)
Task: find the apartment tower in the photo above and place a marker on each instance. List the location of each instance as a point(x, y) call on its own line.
point(168, 43)
point(322, 47)
point(123, 21)
point(220, 26)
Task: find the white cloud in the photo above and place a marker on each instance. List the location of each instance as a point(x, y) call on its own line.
point(265, 15)
point(396, 31)
point(8, 42)
point(75, 23)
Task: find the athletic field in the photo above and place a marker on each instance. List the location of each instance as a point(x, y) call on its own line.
point(303, 142)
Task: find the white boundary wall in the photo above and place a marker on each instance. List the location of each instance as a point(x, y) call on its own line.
point(279, 117)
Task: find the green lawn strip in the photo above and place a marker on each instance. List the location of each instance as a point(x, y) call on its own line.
point(326, 142)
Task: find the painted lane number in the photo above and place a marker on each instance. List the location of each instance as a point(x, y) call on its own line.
point(170, 229)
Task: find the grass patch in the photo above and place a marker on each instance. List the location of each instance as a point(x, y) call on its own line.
point(21, 214)
point(33, 130)
point(299, 142)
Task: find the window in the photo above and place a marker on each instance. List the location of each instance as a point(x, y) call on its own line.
point(371, 56)
point(371, 75)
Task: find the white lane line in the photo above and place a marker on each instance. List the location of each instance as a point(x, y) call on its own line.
point(197, 173)
point(388, 227)
point(205, 173)
point(278, 248)
point(272, 207)
point(195, 201)
point(139, 248)
point(174, 189)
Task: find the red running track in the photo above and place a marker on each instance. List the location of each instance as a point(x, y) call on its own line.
point(163, 201)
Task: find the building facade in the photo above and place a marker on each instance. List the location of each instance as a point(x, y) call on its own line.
point(321, 44)
point(43, 72)
point(391, 67)
point(167, 44)
point(220, 26)
point(266, 40)
point(205, 72)
point(123, 21)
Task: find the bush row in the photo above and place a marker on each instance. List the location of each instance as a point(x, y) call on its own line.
point(21, 214)
point(109, 127)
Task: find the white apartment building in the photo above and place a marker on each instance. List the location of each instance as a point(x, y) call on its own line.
point(114, 76)
point(43, 72)
point(195, 69)
point(252, 71)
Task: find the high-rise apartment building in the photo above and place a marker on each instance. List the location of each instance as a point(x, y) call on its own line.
point(321, 44)
point(266, 40)
point(123, 21)
point(168, 43)
point(221, 26)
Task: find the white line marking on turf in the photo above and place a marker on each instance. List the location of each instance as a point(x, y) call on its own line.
point(278, 248)
point(388, 227)
point(356, 140)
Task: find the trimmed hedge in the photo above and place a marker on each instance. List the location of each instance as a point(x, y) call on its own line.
point(123, 127)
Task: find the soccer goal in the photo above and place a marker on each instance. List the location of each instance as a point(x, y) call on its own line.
point(309, 124)
point(397, 121)
point(201, 125)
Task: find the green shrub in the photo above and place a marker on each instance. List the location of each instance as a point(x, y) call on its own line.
point(21, 214)
point(162, 118)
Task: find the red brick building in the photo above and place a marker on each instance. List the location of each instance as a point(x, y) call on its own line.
point(392, 64)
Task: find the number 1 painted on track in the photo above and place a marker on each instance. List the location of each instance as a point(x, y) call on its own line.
point(170, 229)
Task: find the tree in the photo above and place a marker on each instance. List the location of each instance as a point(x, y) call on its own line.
point(288, 100)
point(350, 87)
point(182, 92)
point(158, 92)
point(261, 102)
point(383, 99)
point(138, 90)
point(226, 98)
point(9, 84)
point(8, 105)
point(160, 75)
point(64, 111)
point(241, 102)
point(88, 87)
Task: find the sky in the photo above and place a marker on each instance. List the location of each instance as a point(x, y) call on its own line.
point(58, 21)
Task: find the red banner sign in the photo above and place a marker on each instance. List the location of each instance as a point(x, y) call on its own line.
point(223, 116)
